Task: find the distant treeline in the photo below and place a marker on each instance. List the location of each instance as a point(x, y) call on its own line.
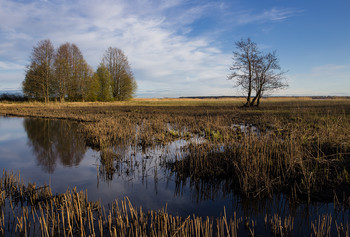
point(235, 97)
point(13, 97)
point(330, 97)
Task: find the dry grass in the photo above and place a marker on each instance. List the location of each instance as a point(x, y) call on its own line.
point(301, 146)
point(305, 156)
point(28, 211)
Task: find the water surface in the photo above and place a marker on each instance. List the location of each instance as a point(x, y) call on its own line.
point(53, 152)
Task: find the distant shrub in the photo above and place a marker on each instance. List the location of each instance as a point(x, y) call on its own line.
point(13, 97)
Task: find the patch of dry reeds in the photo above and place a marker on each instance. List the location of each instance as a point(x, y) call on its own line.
point(71, 214)
point(264, 163)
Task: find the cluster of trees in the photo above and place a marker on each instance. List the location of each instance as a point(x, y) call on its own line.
point(255, 71)
point(65, 75)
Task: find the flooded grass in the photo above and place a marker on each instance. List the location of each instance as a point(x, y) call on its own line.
point(27, 210)
point(299, 148)
point(263, 164)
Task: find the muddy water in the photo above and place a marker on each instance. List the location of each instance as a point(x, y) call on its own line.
point(53, 152)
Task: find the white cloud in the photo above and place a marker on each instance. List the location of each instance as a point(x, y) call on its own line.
point(274, 14)
point(153, 35)
point(10, 66)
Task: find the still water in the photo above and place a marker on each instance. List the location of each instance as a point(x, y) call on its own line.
point(53, 152)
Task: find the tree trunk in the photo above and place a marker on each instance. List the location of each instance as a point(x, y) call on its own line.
point(257, 97)
point(249, 96)
point(258, 101)
point(248, 103)
point(254, 99)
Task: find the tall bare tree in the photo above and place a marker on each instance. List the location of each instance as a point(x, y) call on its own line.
point(268, 76)
point(253, 70)
point(38, 82)
point(244, 60)
point(123, 82)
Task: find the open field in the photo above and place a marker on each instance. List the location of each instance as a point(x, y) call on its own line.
point(296, 146)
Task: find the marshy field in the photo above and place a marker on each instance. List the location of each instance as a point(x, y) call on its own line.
point(176, 167)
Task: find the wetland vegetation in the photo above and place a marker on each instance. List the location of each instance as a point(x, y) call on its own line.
point(295, 148)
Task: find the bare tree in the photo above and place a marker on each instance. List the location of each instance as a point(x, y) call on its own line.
point(123, 82)
point(268, 76)
point(253, 70)
point(38, 82)
point(244, 61)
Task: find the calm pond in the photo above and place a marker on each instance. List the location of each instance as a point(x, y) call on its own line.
point(52, 152)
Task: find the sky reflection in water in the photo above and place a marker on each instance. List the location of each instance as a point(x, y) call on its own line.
point(52, 152)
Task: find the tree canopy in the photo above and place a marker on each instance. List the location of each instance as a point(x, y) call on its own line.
point(38, 82)
point(65, 75)
point(122, 79)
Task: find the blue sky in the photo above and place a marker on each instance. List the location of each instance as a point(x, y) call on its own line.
point(184, 47)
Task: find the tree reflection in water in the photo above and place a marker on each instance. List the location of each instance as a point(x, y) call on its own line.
point(53, 140)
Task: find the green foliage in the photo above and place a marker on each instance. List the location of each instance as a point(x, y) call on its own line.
point(122, 79)
point(174, 133)
point(213, 135)
point(38, 82)
point(104, 79)
point(94, 88)
point(88, 82)
point(30, 85)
